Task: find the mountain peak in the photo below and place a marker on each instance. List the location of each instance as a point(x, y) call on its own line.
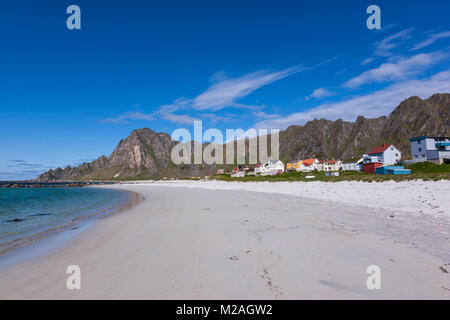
point(146, 153)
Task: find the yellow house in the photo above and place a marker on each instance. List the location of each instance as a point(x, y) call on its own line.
point(294, 165)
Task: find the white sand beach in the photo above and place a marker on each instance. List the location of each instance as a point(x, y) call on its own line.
point(223, 240)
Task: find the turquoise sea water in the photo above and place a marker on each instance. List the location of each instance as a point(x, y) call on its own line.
point(28, 211)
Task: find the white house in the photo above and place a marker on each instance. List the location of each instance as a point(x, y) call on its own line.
point(238, 174)
point(273, 167)
point(434, 149)
point(352, 166)
point(309, 165)
point(333, 165)
point(258, 168)
point(386, 154)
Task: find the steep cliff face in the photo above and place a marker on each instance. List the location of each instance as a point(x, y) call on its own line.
point(345, 140)
point(326, 139)
point(143, 153)
point(146, 153)
point(417, 117)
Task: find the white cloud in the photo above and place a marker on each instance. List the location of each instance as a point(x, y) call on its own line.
point(264, 115)
point(223, 92)
point(214, 118)
point(375, 104)
point(179, 118)
point(226, 92)
point(320, 93)
point(431, 39)
point(400, 69)
point(383, 48)
point(367, 61)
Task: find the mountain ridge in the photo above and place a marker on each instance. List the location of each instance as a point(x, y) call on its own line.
point(146, 153)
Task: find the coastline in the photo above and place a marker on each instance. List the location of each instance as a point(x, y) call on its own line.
point(192, 243)
point(19, 249)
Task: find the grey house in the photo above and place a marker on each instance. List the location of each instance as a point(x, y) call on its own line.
point(434, 149)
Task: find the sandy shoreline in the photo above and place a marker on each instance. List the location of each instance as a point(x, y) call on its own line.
point(134, 198)
point(199, 241)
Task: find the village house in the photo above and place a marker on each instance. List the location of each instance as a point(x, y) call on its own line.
point(309, 165)
point(384, 155)
point(258, 168)
point(352, 166)
point(320, 166)
point(434, 149)
point(294, 165)
point(273, 167)
point(333, 165)
point(237, 172)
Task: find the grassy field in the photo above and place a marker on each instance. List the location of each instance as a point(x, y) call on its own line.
point(424, 171)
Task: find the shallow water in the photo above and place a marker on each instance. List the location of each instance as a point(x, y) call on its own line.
point(28, 211)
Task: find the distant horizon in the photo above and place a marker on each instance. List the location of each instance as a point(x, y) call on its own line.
point(69, 96)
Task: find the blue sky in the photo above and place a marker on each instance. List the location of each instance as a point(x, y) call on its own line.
point(68, 96)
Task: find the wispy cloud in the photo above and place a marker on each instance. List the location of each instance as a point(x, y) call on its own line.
point(367, 61)
point(320, 93)
point(127, 116)
point(400, 69)
point(226, 92)
point(179, 118)
point(374, 104)
point(264, 115)
point(214, 118)
point(431, 39)
point(383, 48)
point(223, 92)
point(17, 169)
point(23, 164)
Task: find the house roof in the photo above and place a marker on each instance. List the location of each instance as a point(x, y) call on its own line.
point(308, 162)
point(258, 165)
point(332, 161)
point(425, 137)
point(380, 149)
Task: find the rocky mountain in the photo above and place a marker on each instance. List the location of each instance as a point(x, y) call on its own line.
point(146, 153)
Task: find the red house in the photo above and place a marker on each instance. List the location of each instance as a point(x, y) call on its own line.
point(371, 167)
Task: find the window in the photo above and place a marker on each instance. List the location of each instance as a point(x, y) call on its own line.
point(420, 149)
point(416, 156)
point(418, 142)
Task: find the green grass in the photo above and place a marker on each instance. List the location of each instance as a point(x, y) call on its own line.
point(435, 174)
point(423, 170)
point(429, 167)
